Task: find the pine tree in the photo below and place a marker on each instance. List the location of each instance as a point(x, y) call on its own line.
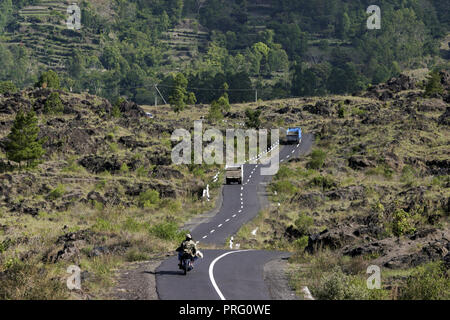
point(22, 143)
point(179, 94)
point(253, 120)
point(434, 84)
point(53, 104)
point(192, 99)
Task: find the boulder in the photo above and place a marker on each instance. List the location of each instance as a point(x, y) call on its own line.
point(98, 164)
point(359, 162)
point(322, 107)
point(333, 239)
point(444, 119)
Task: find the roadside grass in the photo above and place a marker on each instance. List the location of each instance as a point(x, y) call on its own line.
point(139, 233)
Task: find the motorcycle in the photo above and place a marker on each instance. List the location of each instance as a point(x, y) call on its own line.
point(187, 261)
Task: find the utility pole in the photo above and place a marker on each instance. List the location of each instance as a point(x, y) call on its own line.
point(156, 87)
point(256, 95)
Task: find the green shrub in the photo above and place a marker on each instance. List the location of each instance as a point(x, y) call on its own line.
point(7, 86)
point(48, 79)
point(132, 225)
point(142, 172)
point(252, 119)
point(304, 223)
point(325, 183)
point(172, 205)
point(284, 186)
point(124, 169)
point(168, 231)
point(317, 159)
point(28, 281)
point(402, 223)
point(136, 255)
point(358, 112)
point(342, 111)
point(115, 112)
point(284, 172)
point(53, 104)
point(56, 193)
point(428, 282)
point(339, 286)
point(114, 147)
point(301, 243)
point(103, 225)
point(214, 114)
point(149, 198)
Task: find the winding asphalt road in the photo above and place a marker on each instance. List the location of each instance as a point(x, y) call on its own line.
point(228, 274)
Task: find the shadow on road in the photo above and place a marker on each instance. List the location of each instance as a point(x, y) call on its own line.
point(163, 272)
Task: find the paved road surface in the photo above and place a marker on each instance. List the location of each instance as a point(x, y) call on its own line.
point(228, 274)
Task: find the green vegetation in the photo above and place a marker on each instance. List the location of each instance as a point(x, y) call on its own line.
point(245, 44)
point(317, 159)
point(48, 79)
point(336, 285)
point(433, 85)
point(427, 282)
point(56, 193)
point(179, 95)
point(149, 198)
point(402, 223)
point(168, 231)
point(22, 144)
point(7, 86)
point(304, 224)
point(29, 281)
point(252, 119)
point(53, 104)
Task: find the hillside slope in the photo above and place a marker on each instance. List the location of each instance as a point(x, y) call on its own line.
point(107, 193)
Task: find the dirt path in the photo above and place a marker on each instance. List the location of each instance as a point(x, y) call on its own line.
point(137, 282)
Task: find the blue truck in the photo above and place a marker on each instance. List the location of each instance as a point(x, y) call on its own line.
point(294, 135)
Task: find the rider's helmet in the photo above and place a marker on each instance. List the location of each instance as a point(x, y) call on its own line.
point(188, 236)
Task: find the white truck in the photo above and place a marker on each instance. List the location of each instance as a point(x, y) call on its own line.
point(234, 174)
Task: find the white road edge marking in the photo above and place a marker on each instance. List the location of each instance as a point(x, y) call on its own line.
point(211, 272)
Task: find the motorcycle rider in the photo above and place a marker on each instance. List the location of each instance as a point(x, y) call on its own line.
point(188, 246)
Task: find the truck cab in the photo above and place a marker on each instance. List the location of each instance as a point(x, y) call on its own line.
point(234, 174)
point(293, 135)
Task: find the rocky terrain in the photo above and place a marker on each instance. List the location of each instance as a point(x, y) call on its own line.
point(380, 192)
point(105, 192)
point(375, 188)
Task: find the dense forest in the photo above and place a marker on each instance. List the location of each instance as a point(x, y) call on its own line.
point(282, 48)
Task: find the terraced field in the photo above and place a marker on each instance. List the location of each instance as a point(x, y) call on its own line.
point(186, 41)
point(42, 28)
